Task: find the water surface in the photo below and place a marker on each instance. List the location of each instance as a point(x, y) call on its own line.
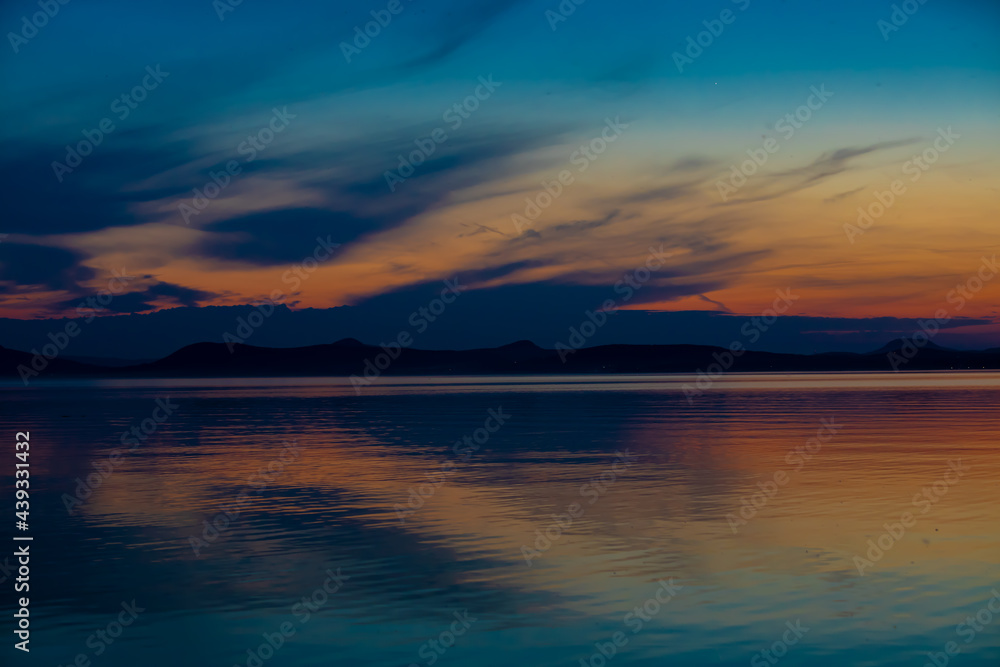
point(373, 486)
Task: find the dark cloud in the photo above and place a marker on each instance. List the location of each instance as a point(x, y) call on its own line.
point(145, 299)
point(721, 305)
point(827, 165)
point(535, 310)
point(834, 162)
point(366, 204)
point(842, 195)
point(30, 265)
point(568, 228)
point(502, 271)
point(283, 236)
point(476, 157)
point(98, 194)
point(181, 296)
point(481, 229)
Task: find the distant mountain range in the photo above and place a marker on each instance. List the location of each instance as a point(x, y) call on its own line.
point(480, 319)
point(351, 357)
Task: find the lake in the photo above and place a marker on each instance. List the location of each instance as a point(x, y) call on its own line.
point(838, 519)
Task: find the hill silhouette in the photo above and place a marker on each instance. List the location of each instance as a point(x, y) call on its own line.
point(351, 357)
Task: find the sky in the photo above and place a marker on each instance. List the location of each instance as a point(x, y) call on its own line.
point(539, 152)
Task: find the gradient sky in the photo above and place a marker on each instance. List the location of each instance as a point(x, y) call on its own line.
point(324, 174)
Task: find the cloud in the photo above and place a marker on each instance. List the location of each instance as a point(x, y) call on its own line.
point(842, 195)
point(361, 201)
point(157, 295)
point(461, 25)
point(567, 228)
point(98, 194)
point(827, 165)
point(834, 162)
point(38, 266)
point(282, 236)
point(715, 303)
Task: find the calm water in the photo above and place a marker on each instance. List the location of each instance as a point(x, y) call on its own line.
point(373, 487)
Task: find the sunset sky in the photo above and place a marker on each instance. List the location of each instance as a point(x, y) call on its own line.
point(673, 128)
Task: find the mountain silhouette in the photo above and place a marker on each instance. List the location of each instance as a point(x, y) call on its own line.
point(900, 344)
point(351, 357)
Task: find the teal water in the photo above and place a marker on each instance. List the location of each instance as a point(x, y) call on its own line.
point(655, 552)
